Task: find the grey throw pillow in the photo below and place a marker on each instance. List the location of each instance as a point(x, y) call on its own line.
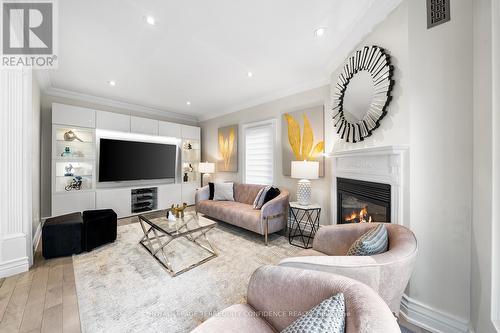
point(259, 199)
point(326, 317)
point(374, 241)
point(223, 192)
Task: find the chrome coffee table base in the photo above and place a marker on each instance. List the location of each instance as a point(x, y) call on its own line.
point(156, 241)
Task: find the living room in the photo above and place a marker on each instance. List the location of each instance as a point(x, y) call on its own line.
point(235, 166)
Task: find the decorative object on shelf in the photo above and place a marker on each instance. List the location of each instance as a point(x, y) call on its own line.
point(362, 93)
point(190, 168)
point(66, 152)
point(187, 145)
point(301, 144)
point(186, 177)
point(304, 170)
point(304, 222)
point(69, 171)
point(178, 210)
point(228, 149)
point(71, 136)
point(75, 184)
point(205, 168)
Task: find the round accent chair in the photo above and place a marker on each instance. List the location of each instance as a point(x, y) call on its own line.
point(387, 273)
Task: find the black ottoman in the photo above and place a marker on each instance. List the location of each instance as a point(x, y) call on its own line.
point(99, 228)
point(62, 236)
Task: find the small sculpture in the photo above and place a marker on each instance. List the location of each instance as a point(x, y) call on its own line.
point(71, 136)
point(69, 170)
point(76, 184)
point(66, 152)
point(178, 211)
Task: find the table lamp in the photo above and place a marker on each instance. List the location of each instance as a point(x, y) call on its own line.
point(304, 170)
point(205, 168)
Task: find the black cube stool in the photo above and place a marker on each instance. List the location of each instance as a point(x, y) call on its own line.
point(62, 236)
point(99, 228)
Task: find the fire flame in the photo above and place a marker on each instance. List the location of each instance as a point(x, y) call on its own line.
point(361, 216)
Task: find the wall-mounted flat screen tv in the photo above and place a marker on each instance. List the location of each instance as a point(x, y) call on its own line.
point(121, 160)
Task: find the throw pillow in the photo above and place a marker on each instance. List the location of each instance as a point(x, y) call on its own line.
point(259, 199)
point(374, 241)
point(211, 190)
point(223, 192)
point(326, 317)
point(271, 194)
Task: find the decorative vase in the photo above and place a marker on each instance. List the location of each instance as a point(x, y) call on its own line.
point(186, 178)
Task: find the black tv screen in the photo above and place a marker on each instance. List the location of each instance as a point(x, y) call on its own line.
point(121, 160)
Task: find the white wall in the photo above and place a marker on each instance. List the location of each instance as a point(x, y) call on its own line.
point(35, 155)
point(271, 110)
point(495, 9)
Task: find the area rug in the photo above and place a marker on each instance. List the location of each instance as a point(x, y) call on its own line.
point(121, 288)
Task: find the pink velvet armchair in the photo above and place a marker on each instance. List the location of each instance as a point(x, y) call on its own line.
point(387, 273)
point(277, 294)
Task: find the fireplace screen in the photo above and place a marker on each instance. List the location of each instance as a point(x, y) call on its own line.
point(363, 202)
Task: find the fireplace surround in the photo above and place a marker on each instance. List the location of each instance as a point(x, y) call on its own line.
point(385, 165)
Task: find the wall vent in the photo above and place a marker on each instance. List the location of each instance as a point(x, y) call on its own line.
point(438, 11)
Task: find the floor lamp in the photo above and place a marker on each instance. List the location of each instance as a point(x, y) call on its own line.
point(206, 168)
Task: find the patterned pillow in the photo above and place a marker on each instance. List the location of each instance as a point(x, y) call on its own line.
point(326, 317)
point(259, 199)
point(374, 241)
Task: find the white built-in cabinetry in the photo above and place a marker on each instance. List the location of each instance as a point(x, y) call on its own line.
point(82, 156)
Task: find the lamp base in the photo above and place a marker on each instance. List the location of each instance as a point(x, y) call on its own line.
point(304, 192)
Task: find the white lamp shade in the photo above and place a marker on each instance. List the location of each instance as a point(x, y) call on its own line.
point(305, 169)
point(206, 167)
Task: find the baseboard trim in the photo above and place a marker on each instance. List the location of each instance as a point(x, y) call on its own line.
point(13, 267)
point(37, 236)
point(431, 319)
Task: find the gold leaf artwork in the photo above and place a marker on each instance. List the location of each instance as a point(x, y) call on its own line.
point(226, 146)
point(302, 147)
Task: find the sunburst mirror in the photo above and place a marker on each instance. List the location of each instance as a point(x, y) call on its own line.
point(362, 93)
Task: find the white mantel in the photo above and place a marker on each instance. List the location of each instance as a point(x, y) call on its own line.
point(386, 164)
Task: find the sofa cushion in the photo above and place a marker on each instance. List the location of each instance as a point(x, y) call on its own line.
point(241, 318)
point(374, 241)
point(246, 193)
point(211, 191)
point(326, 317)
point(223, 192)
point(271, 194)
point(261, 196)
point(236, 213)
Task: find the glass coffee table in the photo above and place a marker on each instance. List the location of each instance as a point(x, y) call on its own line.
point(178, 245)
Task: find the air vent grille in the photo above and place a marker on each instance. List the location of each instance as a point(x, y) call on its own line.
point(438, 12)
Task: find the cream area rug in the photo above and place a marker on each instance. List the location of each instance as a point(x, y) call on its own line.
point(121, 288)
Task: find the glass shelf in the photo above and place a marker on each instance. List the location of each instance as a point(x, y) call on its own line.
point(66, 171)
point(72, 142)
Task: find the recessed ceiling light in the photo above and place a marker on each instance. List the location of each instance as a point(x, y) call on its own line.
point(112, 83)
point(249, 74)
point(150, 20)
point(319, 32)
point(188, 103)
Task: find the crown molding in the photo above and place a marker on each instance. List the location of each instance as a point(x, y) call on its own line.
point(63, 93)
point(268, 98)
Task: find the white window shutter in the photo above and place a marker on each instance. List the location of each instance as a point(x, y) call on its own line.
point(259, 154)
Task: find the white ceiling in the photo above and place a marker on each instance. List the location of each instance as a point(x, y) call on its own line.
point(201, 51)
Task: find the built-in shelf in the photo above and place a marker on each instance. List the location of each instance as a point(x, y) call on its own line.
point(191, 156)
point(144, 199)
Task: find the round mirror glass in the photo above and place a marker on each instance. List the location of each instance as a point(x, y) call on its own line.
point(358, 96)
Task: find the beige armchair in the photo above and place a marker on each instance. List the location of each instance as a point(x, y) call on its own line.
point(387, 273)
point(277, 294)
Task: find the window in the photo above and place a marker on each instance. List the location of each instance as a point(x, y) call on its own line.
point(259, 153)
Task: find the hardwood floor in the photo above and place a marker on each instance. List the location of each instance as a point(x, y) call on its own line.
point(40, 300)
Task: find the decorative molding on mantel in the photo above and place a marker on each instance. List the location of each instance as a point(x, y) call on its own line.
point(385, 164)
point(431, 319)
point(57, 92)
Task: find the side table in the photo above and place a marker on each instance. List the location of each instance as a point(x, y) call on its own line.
point(303, 222)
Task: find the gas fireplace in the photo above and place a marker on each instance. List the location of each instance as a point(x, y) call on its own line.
point(363, 202)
